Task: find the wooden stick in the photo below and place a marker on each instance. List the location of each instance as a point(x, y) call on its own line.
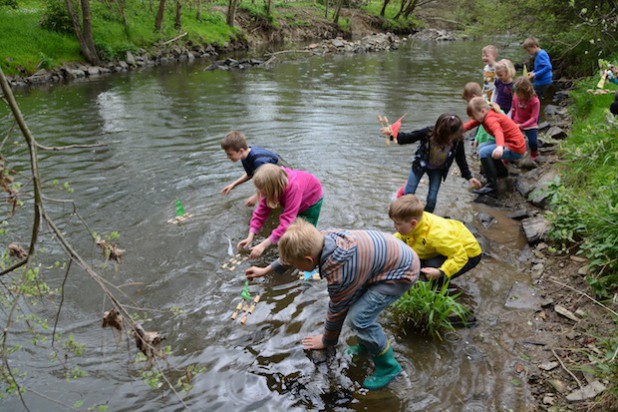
point(566, 369)
point(582, 293)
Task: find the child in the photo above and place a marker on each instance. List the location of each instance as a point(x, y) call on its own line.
point(439, 146)
point(526, 106)
point(510, 143)
point(489, 55)
point(541, 76)
point(252, 157)
point(366, 271)
point(298, 193)
point(613, 108)
point(504, 84)
point(446, 247)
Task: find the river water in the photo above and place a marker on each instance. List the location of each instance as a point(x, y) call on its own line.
point(163, 127)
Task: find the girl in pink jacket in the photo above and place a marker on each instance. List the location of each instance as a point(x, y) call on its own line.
point(298, 193)
point(525, 112)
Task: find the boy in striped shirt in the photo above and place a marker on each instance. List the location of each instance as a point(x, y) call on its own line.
point(366, 271)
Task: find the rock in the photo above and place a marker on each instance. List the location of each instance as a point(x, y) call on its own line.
point(537, 271)
point(544, 125)
point(535, 228)
point(548, 400)
point(571, 335)
point(578, 259)
point(130, 59)
point(486, 219)
point(123, 65)
point(546, 303)
point(561, 310)
point(547, 366)
point(587, 392)
point(556, 132)
point(581, 313)
point(583, 271)
point(522, 296)
point(550, 110)
point(93, 71)
point(557, 384)
point(519, 214)
point(338, 43)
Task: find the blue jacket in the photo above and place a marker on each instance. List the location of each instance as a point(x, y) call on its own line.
point(542, 69)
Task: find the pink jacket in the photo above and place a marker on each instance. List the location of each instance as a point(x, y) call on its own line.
point(302, 191)
point(526, 113)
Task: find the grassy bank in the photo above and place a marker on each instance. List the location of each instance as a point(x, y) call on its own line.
point(38, 33)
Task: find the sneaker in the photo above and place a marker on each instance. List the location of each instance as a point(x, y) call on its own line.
point(534, 155)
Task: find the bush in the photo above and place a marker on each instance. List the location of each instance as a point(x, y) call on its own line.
point(56, 17)
point(9, 3)
point(428, 309)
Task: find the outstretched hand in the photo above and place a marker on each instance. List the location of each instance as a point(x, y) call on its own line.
point(256, 272)
point(227, 189)
point(431, 273)
point(386, 131)
point(474, 182)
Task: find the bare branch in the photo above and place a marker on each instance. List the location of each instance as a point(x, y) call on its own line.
point(69, 147)
point(64, 281)
point(588, 296)
point(5, 358)
point(7, 136)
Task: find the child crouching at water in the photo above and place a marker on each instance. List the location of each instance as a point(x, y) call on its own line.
point(366, 271)
point(298, 193)
point(446, 247)
point(439, 146)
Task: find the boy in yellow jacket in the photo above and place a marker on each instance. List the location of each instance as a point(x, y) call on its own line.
point(446, 248)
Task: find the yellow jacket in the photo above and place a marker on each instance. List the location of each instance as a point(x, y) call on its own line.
point(434, 235)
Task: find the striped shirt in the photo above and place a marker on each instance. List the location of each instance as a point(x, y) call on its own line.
point(352, 261)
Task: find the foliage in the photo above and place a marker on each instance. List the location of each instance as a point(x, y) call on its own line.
point(9, 3)
point(56, 17)
point(428, 309)
point(584, 205)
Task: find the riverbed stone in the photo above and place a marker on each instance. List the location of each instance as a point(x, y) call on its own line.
point(129, 58)
point(587, 392)
point(535, 228)
point(523, 296)
point(556, 132)
point(561, 310)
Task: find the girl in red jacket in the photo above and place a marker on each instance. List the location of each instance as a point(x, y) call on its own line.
point(509, 145)
point(525, 112)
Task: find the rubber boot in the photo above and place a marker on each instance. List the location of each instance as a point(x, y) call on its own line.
point(492, 177)
point(501, 170)
point(387, 368)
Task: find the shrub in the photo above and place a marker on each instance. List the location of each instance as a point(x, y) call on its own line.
point(9, 3)
point(56, 16)
point(428, 309)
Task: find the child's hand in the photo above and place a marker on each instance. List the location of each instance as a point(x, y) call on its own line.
point(251, 201)
point(256, 272)
point(530, 75)
point(227, 189)
point(313, 342)
point(431, 273)
point(257, 251)
point(245, 242)
point(386, 131)
point(475, 183)
point(498, 152)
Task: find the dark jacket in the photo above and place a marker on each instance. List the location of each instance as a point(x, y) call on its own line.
point(421, 157)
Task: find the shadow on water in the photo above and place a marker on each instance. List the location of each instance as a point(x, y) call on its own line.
point(164, 127)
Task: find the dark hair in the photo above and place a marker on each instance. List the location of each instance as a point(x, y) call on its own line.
point(448, 128)
point(522, 86)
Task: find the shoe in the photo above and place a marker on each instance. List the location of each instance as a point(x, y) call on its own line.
point(386, 369)
point(355, 350)
point(492, 177)
point(505, 161)
point(534, 155)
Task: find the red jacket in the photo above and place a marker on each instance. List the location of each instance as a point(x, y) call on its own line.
point(503, 129)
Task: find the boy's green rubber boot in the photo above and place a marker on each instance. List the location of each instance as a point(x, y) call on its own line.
point(387, 368)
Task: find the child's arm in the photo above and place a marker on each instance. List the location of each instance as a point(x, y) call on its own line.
point(257, 272)
point(534, 107)
point(456, 256)
point(413, 136)
point(470, 124)
point(227, 189)
point(462, 163)
point(542, 65)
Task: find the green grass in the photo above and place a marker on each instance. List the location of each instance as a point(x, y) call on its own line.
point(427, 309)
point(584, 204)
point(24, 44)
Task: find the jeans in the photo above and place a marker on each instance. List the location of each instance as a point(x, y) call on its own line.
point(435, 179)
point(363, 319)
point(487, 149)
point(532, 134)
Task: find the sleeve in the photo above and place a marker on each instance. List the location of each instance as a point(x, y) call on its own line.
point(543, 66)
point(470, 124)
point(413, 136)
point(462, 163)
point(451, 247)
point(278, 267)
point(514, 107)
point(291, 206)
point(535, 106)
point(261, 212)
point(493, 127)
point(338, 306)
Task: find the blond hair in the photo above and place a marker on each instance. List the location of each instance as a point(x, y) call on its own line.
point(507, 66)
point(406, 208)
point(490, 49)
point(300, 239)
point(470, 90)
point(476, 104)
point(530, 43)
point(270, 180)
point(234, 140)
point(523, 88)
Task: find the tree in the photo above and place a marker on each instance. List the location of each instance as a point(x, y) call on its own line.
point(384, 4)
point(231, 12)
point(178, 20)
point(84, 32)
point(337, 11)
point(408, 7)
point(160, 13)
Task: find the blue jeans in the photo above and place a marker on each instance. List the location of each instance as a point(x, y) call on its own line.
point(531, 135)
point(363, 319)
point(435, 179)
point(487, 149)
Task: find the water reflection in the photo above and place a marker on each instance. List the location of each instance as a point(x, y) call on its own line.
point(164, 127)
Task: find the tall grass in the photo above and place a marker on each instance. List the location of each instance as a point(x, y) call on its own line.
point(428, 309)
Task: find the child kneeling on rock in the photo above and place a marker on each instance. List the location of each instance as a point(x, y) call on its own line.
point(446, 247)
point(366, 271)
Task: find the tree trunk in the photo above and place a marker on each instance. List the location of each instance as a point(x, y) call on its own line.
point(411, 7)
point(231, 12)
point(198, 14)
point(336, 18)
point(268, 5)
point(83, 44)
point(326, 9)
point(87, 31)
point(160, 12)
point(383, 11)
point(403, 5)
point(178, 20)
